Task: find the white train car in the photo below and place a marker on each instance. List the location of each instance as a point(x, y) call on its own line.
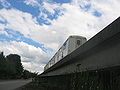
point(72, 43)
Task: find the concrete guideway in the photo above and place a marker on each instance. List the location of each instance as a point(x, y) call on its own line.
point(13, 84)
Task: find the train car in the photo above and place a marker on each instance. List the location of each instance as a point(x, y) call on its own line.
point(72, 43)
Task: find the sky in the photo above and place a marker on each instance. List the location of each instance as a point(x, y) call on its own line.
point(35, 29)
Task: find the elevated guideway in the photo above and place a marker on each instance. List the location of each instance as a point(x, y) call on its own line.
point(100, 52)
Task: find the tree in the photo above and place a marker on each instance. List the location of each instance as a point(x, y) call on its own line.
point(11, 67)
point(27, 74)
point(2, 65)
point(15, 65)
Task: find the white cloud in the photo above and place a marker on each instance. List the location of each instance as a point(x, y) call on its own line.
point(108, 8)
point(5, 4)
point(75, 21)
point(79, 22)
point(31, 2)
point(24, 23)
point(51, 6)
point(32, 58)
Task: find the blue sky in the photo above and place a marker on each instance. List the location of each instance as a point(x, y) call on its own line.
point(34, 11)
point(20, 5)
point(37, 28)
point(62, 1)
point(18, 37)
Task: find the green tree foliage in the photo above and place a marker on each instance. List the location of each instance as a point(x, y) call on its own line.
point(2, 65)
point(15, 67)
point(11, 67)
point(27, 74)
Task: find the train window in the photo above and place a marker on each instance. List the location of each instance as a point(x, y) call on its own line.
point(78, 42)
point(64, 44)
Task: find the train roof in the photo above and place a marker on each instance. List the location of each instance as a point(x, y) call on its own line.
point(76, 36)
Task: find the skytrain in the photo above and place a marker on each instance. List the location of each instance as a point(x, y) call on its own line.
point(71, 44)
